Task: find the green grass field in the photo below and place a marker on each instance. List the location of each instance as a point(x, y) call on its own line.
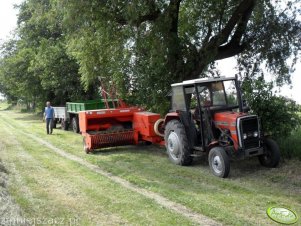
point(47, 185)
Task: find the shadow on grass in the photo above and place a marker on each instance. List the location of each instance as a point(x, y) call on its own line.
point(140, 148)
point(239, 167)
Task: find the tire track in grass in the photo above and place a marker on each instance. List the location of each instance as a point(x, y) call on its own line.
point(176, 207)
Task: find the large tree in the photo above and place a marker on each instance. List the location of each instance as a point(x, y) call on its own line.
point(142, 46)
point(146, 45)
point(35, 66)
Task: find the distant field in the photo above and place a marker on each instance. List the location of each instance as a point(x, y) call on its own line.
point(46, 184)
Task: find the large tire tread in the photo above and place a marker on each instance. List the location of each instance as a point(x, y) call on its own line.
point(273, 153)
point(219, 151)
point(75, 124)
point(176, 126)
point(64, 124)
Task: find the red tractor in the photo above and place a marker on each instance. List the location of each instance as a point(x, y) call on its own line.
point(208, 115)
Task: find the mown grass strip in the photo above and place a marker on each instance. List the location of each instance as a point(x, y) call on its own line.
point(246, 195)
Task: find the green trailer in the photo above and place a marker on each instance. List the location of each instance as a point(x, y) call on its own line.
point(69, 115)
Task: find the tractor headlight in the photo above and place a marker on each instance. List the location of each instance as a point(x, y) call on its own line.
point(255, 134)
point(245, 136)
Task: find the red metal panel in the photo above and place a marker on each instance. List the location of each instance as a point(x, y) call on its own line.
point(102, 119)
point(227, 120)
point(143, 122)
point(117, 138)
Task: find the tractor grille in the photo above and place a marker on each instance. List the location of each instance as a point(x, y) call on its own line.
point(248, 126)
point(111, 139)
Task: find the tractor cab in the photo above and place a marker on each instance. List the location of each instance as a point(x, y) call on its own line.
point(213, 94)
point(207, 115)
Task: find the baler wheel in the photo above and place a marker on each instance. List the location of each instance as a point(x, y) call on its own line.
point(86, 149)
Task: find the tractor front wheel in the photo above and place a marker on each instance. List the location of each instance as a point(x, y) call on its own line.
point(176, 143)
point(271, 157)
point(219, 162)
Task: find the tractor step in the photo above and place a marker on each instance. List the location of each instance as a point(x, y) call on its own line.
point(195, 155)
point(197, 148)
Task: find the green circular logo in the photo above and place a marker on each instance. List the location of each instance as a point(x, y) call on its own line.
point(282, 215)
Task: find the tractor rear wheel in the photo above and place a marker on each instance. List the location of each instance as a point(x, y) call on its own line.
point(219, 162)
point(75, 125)
point(176, 143)
point(271, 157)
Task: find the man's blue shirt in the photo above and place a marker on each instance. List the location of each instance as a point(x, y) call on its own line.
point(49, 112)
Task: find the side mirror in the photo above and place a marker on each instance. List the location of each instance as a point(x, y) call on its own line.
point(245, 107)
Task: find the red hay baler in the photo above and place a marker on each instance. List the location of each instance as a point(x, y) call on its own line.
point(116, 127)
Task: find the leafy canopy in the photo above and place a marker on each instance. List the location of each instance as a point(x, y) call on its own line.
point(64, 48)
point(144, 46)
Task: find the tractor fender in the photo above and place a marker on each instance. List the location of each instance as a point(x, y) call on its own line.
point(189, 126)
point(157, 126)
point(171, 116)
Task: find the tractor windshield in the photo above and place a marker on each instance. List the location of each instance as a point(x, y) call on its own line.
point(218, 94)
point(215, 95)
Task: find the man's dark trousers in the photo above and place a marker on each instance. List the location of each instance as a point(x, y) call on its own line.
point(49, 125)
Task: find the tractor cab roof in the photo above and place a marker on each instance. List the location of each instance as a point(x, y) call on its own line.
point(202, 80)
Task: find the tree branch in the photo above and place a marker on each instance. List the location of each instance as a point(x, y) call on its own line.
point(152, 15)
point(234, 47)
point(219, 47)
point(245, 7)
point(173, 14)
point(229, 50)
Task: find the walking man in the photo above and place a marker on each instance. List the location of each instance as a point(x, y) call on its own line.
point(48, 115)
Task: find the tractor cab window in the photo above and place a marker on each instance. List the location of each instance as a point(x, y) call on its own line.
point(218, 94)
point(231, 93)
point(178, 99)
point(205, 95)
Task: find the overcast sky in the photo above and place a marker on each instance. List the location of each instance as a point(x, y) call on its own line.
point(8, 20)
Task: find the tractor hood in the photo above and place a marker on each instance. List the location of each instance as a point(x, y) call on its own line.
point(227, 120)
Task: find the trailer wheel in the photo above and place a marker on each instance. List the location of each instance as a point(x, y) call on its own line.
point(219, 162)
point(271, 157)
point(176, 143)
point(75, 125)
point(86, 149)
point(54, 121)
point(64, 124)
